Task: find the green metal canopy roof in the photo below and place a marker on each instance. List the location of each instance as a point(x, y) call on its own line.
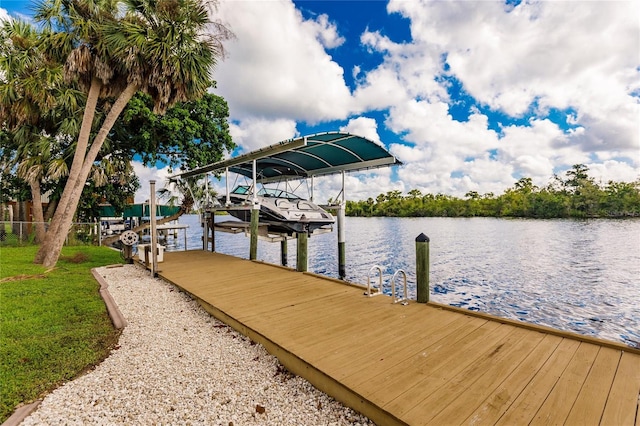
point(314, 155)
point(137, 210)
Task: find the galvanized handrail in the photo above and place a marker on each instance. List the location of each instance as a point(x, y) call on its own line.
point(369, 292)
point(404, 299)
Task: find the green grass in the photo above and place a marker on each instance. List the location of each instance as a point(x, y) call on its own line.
point(53, 325)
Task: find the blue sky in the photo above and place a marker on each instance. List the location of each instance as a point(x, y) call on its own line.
point(471, 96)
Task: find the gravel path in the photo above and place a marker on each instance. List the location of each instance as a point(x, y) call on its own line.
point(177, 365)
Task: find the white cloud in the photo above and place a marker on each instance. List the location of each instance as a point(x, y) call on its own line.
point(4, 15)
point(583, 55)
point(363, 126)
point(612, 170)
point(253, 133)
point(278, 67)
point(327, 32)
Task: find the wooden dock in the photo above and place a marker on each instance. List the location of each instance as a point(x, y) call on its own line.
point(416, 364)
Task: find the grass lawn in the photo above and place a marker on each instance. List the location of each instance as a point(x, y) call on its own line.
point(53, 324)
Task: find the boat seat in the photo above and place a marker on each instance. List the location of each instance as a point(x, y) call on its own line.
point(304, 205)
point(283, 204)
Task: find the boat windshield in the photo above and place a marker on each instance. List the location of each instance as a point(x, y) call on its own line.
point(266, 192)
point(277, 193)
point(241, 190)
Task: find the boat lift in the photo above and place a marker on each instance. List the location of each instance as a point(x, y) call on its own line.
point(321, 154)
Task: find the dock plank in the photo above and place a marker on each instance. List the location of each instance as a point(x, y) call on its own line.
point(414, 364)
point(624, 397)
point(526, 406)
point(500, 399)
point(564, 394)
point(591, 401)
point(466, 391)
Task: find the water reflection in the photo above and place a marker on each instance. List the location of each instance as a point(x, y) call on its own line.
point(574, 275)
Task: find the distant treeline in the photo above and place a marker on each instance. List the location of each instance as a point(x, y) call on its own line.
point(576, 195)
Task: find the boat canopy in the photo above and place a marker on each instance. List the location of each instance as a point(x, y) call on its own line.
point(304, 157)
point(137, 210)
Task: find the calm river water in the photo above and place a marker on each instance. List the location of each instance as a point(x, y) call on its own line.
point(578, 275)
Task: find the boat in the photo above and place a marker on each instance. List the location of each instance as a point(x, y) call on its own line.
point(281, 211)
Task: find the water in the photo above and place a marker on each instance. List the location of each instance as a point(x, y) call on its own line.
point(576, 275)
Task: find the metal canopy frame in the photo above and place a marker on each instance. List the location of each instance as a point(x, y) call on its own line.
point(300, 158)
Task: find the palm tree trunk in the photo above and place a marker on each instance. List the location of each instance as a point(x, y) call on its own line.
point(54, 231)
point(38, 214)
point(65, 213)
point(51, 208)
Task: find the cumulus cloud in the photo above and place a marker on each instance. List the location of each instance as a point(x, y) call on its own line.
point(363, 126)
point(253, 133)
point(4, 15)
point(278, 66)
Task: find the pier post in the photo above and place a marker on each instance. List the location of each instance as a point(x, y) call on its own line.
point(212, 215)
point(283, 250)
point(341, 243)
point(253, 249)
point(301, 255)
point(204, 223)
point(422, 268)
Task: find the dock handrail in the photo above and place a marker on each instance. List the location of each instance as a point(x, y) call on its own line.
point(369, 293)
point(404, 300)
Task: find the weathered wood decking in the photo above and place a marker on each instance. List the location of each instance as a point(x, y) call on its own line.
point(415, 364)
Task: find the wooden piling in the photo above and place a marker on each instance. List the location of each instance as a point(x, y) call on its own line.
point(253, 249)
point(301, 256)
point(283, 250)
point(205, 231)
point(422, 268)
point(212, 217)
point(341, 243)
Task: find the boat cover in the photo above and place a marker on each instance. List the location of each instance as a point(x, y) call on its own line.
point(304, 157)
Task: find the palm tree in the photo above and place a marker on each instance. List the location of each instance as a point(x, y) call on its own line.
point(112, 49)
point(29, 88)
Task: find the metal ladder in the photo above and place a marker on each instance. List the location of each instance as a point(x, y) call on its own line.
point(370, 293)
point(404, 300)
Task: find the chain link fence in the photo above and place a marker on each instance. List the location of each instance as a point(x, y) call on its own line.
point(24, 233)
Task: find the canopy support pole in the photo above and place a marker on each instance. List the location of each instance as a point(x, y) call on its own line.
point(341, 236)
point(154, 232)
point(226, 182)
point(255, 214)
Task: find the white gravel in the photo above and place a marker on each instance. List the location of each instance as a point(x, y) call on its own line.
point(177, 365)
